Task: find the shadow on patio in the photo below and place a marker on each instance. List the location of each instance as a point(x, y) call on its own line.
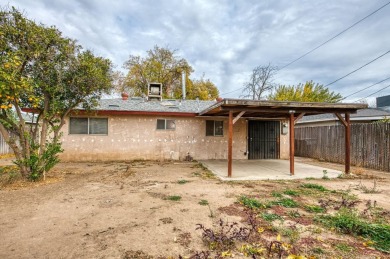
point(267, 169)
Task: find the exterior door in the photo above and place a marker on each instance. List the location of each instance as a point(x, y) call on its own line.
point(263, 139)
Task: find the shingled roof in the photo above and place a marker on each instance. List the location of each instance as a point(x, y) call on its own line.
point(142, 105)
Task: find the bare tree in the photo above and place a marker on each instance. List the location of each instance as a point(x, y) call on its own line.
point(260, 82)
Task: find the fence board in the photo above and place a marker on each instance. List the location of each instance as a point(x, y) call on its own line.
point(4, 148)
point(370, 144)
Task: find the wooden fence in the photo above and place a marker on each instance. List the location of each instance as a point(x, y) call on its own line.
point(4, 148)
point(370, 144)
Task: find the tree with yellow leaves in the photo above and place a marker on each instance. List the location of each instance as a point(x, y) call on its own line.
point(308, 92)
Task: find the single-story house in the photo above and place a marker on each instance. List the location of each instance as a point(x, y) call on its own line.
point(361, 116)
point(154, 128)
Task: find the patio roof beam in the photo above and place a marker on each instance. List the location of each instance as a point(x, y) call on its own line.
point(299, 117)
point(344, 122)
point(238, 117)
point(280, 110)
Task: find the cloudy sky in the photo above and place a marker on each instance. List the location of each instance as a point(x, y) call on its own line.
point(227, 39)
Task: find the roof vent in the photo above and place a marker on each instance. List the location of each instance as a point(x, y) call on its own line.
point(154, 92)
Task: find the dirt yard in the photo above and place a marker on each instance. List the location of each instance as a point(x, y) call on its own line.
point(151, 210)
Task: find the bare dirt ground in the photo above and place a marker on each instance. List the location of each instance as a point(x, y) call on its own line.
point(148, 209)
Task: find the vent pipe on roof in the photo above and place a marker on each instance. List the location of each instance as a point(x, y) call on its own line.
point(183, 83)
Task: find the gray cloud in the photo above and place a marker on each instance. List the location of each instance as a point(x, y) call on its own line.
point(227, 39)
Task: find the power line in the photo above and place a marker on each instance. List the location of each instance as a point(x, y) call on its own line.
point(365, 88)
point(322, 44)
point(338, 34)
point(375, 59)
point(373, 93)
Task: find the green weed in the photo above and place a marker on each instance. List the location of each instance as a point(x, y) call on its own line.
point(276, 194)
point(173, 198)
point(251, 203)
point(314, 209)
point(344, 247)
point(314, 186)
point(203, 203)
point(285, 202)
point(294, 214)
point(271, 217)
point(182, 181)
point(348, 221)
point(291, 192)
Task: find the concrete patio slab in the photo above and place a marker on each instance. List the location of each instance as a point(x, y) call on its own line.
point(267, 169)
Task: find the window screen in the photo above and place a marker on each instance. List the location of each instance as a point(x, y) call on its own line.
point(98, 126)
point(88, 126)
point(78, 126)
point(161, 124)
point(166, 124)
point(214, 128)
point(218, 128)
point(209, 128)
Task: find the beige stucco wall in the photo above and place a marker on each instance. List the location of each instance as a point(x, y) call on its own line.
point(136, 137)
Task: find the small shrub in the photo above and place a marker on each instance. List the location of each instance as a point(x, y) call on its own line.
point(173, 198)
point(271, 217)
point(291, 192)
point(182, 181)
point(314, 186)
point(225, 237)
point(314, 209)
point(252, 250)
point(285, 202)
point(203, 203)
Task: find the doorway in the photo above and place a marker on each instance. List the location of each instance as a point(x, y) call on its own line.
point(263, 139)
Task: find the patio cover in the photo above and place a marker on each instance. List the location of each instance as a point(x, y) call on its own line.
point(239, 108)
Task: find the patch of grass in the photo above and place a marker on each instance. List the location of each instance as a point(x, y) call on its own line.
point(9, 175)
point(276, 194)
point(318, 250)
point(251, 203)
point(314, 209)
point(314, 186)
point(173, 198)
point(310, 178)
point(291, 233)
point(271, 217)
point(291, 192)
point(203, 203)
point(348, 221)
point(294, 214)
point(344, 247)
point(285, 202)
point(182, 181)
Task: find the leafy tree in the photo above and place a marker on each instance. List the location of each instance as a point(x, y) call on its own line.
point(43, 72)
point(203, 89)
point(308, 92)
point(162, 65)
point(260, 82)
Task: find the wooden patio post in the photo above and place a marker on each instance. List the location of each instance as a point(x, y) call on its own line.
point(292, 147)
point(347, 144)
point(230, 144)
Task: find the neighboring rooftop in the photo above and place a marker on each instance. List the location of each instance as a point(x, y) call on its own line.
point(360, 115)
